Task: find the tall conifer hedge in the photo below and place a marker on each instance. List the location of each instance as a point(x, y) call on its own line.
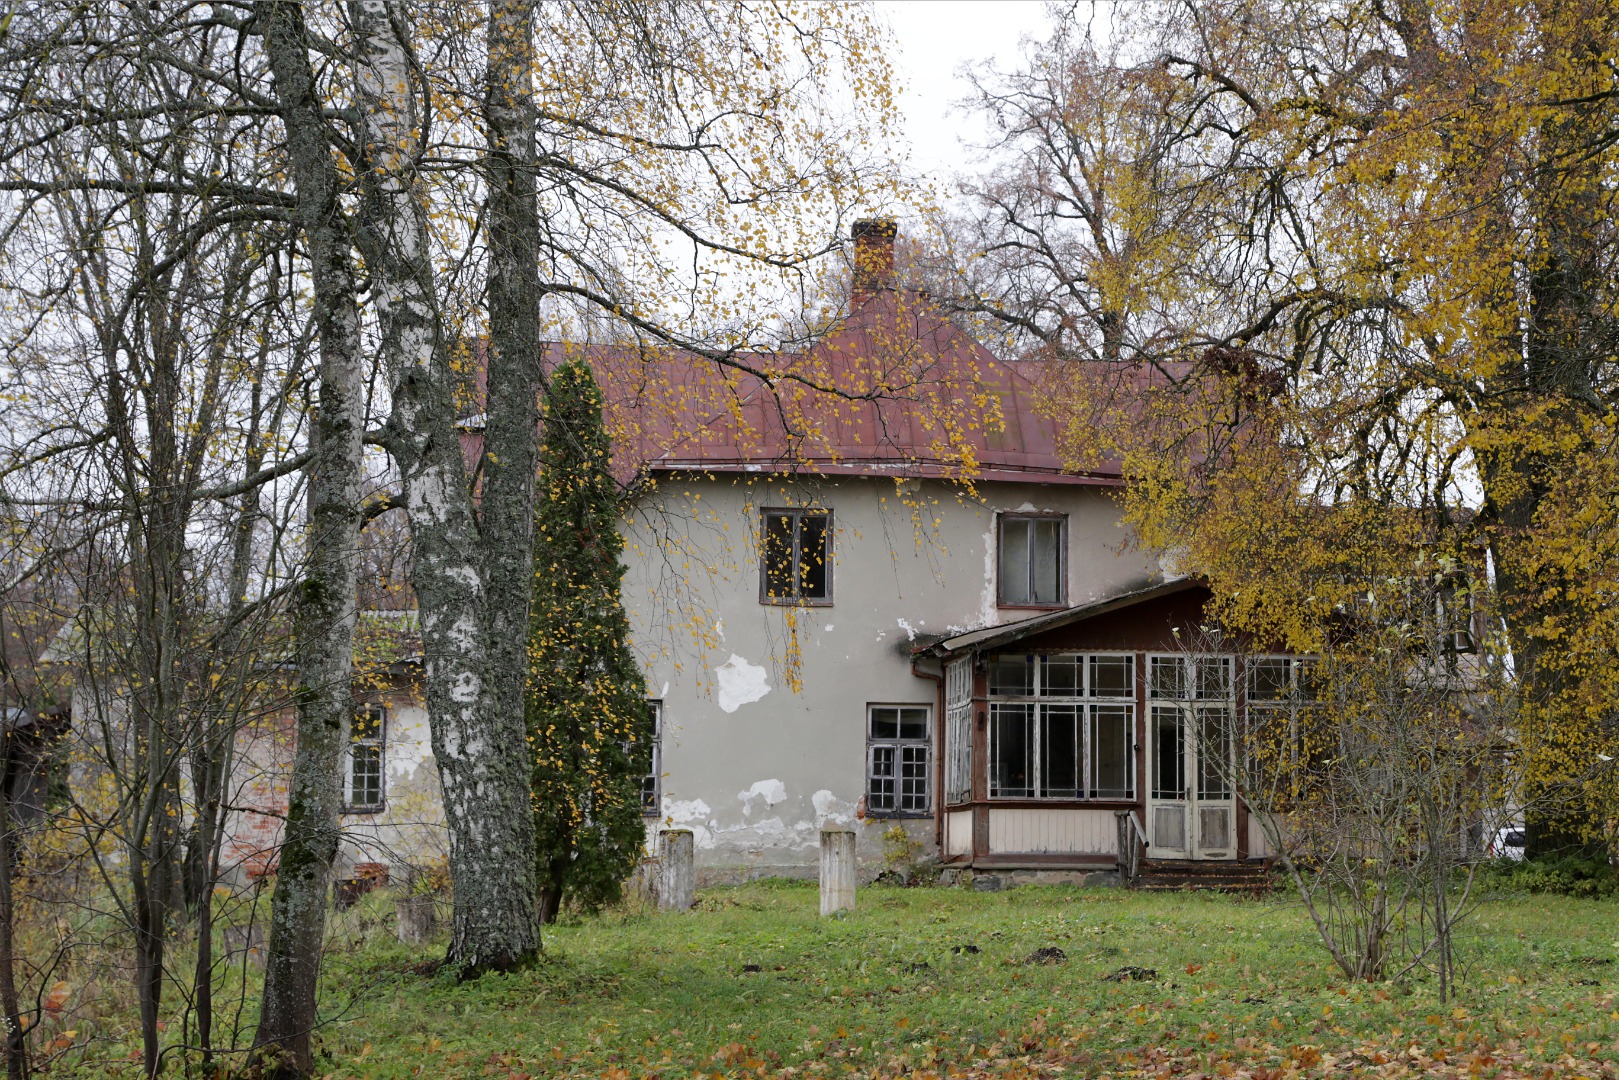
point(587, 713)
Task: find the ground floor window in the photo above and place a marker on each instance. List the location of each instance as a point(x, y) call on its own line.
point(1062, 726)
point(898, 759)
point(363, 779)
point(649, 759)
point(1060, 750)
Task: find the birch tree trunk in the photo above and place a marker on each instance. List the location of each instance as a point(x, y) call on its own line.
point(481, 752)
point(325, 615)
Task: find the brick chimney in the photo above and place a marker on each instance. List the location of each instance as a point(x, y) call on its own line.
point(873, 258)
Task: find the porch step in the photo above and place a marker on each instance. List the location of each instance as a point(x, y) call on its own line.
point(1171, 875)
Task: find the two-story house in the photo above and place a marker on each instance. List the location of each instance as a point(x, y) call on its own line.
point(869, 592)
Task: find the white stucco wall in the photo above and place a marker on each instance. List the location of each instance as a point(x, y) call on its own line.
point(754, 767)
point(409, 830)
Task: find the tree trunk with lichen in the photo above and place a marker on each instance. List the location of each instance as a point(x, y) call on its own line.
point(324, 610)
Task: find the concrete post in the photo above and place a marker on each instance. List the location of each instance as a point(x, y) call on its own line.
point(837, 870)
point(418, 918)
point(675, 875)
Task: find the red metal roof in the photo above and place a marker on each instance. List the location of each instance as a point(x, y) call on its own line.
point(896, 389)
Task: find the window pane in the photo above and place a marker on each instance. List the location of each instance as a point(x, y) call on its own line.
point(880, 791)
point(1165, 677)
point(1011, 676)
point(645, 749)
point(1306, 686)
point(1113, 676)
point(1213, 753)
point(1168, 754)
point(814, 572)
point(1060, 676)
point(367, 724)
point(1047, 561)
point(1015, 561)
point(1213, 677)
point(1111, 746)
point(884, 723)
point(1011, 750)
point(1059, 751)
point(778, 556)
point(366, 785)
point(1267, 680)
point(913, 723)
point(913, 779)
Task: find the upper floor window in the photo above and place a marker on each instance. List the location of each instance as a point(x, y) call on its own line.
point(1031, 560)
point(795, 557)
point(897, 759)
point(366, 766)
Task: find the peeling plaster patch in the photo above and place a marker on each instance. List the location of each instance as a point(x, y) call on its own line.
point(910, 631)
point(739, 683)
point(831, 809)
point(409, 744)
point(829, 628)
point(771, 791)
point(719, 629)
point(664, 692)
point(684, 812)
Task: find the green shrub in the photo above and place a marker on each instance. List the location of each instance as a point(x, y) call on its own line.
point(1568, 875)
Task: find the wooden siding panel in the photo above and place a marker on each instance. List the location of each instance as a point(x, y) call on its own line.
point(958, 833)
point(1052, 832)
point(1258, 848)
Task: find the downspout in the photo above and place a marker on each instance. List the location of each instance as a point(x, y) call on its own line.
point(938, 758)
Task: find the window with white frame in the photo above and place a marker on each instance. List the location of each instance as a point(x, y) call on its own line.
point(795, 557)
point(898, 759)
point(1062, 726)
point(1031, 551)
point(1279, 691)
point(649, 759)
point(363, 778)
point(958, 732)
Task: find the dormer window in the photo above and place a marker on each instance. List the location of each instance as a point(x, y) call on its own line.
point(1032, 567)
point(795, 557)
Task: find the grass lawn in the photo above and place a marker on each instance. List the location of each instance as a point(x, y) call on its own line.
point(755, 983)
point(949, 983)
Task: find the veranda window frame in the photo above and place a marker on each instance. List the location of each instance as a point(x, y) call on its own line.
point(1089, 708)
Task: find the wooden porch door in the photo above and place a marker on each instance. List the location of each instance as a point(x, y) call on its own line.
point(1191, 811)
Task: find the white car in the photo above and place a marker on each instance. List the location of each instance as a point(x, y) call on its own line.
point(1507, 843)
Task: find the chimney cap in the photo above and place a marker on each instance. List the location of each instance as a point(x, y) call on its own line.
point(885, 228)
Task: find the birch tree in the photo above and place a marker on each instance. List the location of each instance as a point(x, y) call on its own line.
point(615, 195)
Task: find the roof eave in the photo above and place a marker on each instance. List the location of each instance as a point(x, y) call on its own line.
point(990, 637)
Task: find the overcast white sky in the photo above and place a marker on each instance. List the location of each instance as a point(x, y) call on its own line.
point(935, 38)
